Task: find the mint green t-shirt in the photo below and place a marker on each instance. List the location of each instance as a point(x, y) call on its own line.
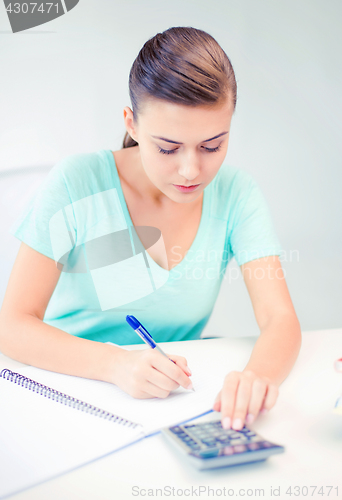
point(79, 218)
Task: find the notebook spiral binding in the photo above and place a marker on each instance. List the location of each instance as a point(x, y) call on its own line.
point(60, 397)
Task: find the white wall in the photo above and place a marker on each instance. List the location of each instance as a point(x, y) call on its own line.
point(64, 85)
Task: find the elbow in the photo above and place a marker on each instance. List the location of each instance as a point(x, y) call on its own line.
point(9, 334)
point(5, 335)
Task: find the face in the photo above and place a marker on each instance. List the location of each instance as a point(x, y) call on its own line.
point(180, 146)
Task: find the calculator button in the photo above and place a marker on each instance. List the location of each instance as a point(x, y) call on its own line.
point(209, 442)
point(201, 436)
point(266, 444)
point(244, 430)
point(227, 450)
point(235, 435)
point(236, 441)
point(194, 446)
point(253, 446)
point(182, 435)
point(223, 439)
point(209, 452)
point(176, 430)
point(254, 438)
point(240, 448)
point(201, 426)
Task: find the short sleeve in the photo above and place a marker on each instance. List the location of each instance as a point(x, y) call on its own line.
point(49, 204)
point(252, 234)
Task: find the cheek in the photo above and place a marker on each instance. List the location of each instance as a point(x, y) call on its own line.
point(158, 169)
point(162, 166)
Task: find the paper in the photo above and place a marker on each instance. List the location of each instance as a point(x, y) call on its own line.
point(41, 438)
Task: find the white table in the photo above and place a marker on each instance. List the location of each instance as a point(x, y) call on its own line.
point(302, 421)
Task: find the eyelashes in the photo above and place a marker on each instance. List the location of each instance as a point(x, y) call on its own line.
point(171, 151)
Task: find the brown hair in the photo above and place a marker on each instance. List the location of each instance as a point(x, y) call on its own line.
point(182, 65)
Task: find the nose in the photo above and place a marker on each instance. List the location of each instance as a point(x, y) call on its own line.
point(189, 167)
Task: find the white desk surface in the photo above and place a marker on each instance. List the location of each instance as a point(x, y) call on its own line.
point(302, 421)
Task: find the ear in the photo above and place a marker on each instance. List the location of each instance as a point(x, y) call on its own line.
point(129, 123)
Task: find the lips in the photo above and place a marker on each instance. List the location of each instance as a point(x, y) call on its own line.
point(186, 189)
point(192, 185)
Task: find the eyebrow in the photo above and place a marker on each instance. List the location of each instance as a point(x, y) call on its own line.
point(174, 142)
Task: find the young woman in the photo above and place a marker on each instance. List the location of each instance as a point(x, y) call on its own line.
point(128, 233)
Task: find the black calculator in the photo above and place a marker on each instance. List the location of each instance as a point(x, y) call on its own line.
point(207, 445)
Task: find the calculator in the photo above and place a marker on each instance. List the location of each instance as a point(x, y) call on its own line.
point(207, 445)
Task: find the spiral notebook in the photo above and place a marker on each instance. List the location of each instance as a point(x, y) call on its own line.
point(52, 423)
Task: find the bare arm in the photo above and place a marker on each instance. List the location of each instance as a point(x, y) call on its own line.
point(278, 345)
point(25, 337)
point(245, 393)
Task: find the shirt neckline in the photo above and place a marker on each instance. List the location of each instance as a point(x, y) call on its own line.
point(201, 228)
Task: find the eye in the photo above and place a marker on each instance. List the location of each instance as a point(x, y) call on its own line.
point(213, 150)
point(167, 151)
point(171, 151)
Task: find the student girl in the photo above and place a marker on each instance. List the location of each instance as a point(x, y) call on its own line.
point(151, 228)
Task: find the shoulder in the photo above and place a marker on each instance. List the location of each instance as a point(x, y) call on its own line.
point(82, 174)
point(78, 163)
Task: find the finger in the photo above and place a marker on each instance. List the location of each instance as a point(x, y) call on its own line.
point(138, 393)
point(182, 363)
point(242, 399)
point(229, 389)
point(154, 390)
point(171, 370)
point(271, 398)
point(158, 379)
point(259, 390)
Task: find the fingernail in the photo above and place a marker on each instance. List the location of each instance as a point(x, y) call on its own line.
point(226, 423)
point(237, 424)
point(189, 371)
point(250, 418)
point(264, 411)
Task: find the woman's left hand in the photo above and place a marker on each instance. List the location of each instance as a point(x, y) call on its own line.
point(242, 396)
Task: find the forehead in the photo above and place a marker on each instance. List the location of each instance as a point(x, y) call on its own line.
point(162, 117)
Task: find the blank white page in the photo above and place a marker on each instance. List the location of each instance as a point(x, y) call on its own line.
point(41, 438)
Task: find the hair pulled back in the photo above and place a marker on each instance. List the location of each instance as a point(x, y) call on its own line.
point(182, 65)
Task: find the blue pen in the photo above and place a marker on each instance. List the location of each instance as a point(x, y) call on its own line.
point(144, 335)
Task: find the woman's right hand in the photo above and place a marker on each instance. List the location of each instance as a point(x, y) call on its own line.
point(148, 374)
